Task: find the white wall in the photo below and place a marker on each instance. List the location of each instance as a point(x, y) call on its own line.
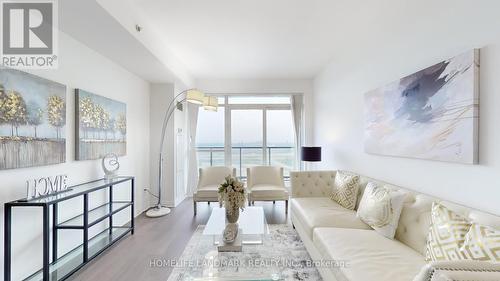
point(446, 30)
point(161, 96)
point(79, 67)
point(266, 86)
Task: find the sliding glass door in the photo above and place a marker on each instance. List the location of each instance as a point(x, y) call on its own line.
point(247, 131)
point(246, 139)
point(280, 139)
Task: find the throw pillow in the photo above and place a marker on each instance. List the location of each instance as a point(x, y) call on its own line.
point(381, 207)
point(345, 190)
point(446, 235)
point(482, 243)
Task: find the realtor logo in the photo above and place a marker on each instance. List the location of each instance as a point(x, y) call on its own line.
point(29, 30)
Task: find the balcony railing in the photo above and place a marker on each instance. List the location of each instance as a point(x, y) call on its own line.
point(246, 156)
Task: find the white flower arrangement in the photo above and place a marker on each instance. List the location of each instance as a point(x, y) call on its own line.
point(232, 195)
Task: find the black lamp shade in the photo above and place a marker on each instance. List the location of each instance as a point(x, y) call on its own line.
point(311, 153)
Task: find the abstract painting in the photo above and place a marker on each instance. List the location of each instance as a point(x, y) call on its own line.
point(432, 114)
point(101, 126)
point(32, 120)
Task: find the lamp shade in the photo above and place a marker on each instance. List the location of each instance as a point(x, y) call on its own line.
point(311, 153)
point(210, 103)
point(195, 96)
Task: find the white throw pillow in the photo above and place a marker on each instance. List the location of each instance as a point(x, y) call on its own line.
point(381, 207)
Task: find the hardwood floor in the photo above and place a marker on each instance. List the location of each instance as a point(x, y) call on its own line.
point(161, 238)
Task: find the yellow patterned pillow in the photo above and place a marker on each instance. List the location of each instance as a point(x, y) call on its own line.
point(446, 235)
point(482, 243)
point(345, 190)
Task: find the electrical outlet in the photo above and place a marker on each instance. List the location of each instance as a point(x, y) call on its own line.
point(146, 188)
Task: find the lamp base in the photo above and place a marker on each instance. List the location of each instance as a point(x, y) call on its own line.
point(158, 211)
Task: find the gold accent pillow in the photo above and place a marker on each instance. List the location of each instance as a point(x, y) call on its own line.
point(446, 235)
point(381, 207)
point(345, 190)
point(482, 243)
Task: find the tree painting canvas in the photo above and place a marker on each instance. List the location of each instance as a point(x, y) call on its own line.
point(32, 120)
point(432, 114)
point(101, 126)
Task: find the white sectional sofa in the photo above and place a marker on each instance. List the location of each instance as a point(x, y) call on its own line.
point(333, 233)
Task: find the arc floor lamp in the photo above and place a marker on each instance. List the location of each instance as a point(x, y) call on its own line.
point(194, 96)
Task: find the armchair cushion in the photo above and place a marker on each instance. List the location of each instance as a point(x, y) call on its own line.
point(208, 191)
point(209, 181)
point(214, 175)
point(268, 192)
point(269, 175)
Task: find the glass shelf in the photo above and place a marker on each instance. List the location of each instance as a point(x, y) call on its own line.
point(72, 191)
point(95, 215)
point(73, 260)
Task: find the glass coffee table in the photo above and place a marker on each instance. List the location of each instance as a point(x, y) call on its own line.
point(252, 224)
point(207, 264)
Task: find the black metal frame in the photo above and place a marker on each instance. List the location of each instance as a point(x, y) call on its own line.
point(56, 226)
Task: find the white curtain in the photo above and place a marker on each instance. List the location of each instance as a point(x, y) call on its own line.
point(297, 104)
point(192, 163)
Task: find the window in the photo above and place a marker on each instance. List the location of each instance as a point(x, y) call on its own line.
point(246, 139)
point(210, 138)
point(280, 139)
point(247, 131)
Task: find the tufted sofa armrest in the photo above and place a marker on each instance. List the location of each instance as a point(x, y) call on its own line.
point(311, 183)
point(459, 271)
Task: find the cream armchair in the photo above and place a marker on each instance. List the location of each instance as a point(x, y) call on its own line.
point(208, 184)
point(265, 183)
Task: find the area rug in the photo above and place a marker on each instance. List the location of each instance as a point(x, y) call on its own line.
point(282, 256)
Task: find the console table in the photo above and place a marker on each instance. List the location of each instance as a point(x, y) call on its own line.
point(62, 267)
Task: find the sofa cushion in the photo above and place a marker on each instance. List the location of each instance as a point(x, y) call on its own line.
point(368, 255)
point(266, 191)
point(322, 212)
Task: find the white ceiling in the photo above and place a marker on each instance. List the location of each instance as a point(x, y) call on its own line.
point(108, 37)
point(293, 38)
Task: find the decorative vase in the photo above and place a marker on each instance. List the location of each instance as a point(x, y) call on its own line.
point(232, 217)
point(232, 227)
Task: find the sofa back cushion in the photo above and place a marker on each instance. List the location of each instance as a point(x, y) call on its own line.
point(415, 219)
point(312, 183)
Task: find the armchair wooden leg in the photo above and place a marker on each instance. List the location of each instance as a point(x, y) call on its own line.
point(274, 202)
point(194, 207)
point(286, 206)
point(208, 203)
